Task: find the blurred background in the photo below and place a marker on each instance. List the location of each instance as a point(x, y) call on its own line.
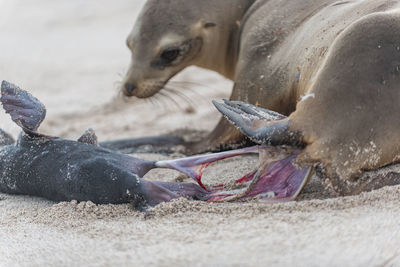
point(71, 54)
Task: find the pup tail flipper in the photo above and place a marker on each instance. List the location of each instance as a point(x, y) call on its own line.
point(25, 110)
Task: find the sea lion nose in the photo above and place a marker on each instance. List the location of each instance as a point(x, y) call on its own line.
point(129, 88)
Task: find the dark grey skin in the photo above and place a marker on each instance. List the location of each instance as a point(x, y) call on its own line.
point(65, 170)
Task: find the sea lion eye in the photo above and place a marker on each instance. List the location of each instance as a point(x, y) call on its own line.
point(175, 55)
point(170, 54)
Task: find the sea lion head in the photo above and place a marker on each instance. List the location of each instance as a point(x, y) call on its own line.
point(167, 37)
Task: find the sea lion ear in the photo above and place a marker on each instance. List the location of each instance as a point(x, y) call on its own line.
point(25, 110)
point(89, 137)
point(209, 25)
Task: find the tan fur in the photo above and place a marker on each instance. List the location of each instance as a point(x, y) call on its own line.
point(344, 55)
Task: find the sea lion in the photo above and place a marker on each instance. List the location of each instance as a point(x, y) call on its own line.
point(346, 174)
point(65, 170)
point(276, 52)
point(332, 67)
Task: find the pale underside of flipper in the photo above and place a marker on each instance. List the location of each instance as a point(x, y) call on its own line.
point(260, 125)
point(275, 179)
point(25, 110)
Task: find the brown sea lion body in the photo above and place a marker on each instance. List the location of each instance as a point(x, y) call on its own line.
point(332, 66)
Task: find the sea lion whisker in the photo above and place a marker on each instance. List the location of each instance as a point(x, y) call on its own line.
point(186, 88)
point(163, 101)
point(124, 98)
point(188, 83)
point(153, 101)
point(180, 95)
point(179, 86)
point(117, 84)
point(201, 95)
point(171, 99)
point(121, 74)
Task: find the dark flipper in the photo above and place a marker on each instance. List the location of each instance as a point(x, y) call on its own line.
point(189, 190)
point(25, 110)
point(261, 113)
point(156, 144)
point(260, 125)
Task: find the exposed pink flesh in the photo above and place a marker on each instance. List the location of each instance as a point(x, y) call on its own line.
point(277, 180)
point(280, 181)
point(195, 166)
point(246, 178)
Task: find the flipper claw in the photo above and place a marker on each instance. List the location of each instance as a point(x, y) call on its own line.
point(237, 118)
point(260, 125)
point(261, 113)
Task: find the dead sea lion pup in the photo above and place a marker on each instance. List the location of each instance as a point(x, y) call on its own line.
point(340, 57)
point(65, 170)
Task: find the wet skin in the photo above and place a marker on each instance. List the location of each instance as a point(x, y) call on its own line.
point(64, 170)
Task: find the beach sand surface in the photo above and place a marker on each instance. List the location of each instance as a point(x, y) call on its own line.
point(72, 56)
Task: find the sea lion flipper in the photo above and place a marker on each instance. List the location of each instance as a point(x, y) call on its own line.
point(261, 113)
point(89, 137)
point(260, 125)
point(236, 117)
point(25, 110)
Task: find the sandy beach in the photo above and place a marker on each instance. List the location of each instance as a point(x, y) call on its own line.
point(72, 56)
